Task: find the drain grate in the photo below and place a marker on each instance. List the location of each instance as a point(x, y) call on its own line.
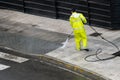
point(95, 34)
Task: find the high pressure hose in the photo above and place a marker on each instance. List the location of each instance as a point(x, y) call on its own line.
point(98, 51)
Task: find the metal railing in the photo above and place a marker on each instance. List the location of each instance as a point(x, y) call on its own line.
point(97, 12)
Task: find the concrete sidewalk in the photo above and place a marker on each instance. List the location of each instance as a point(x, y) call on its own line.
point(25, 23)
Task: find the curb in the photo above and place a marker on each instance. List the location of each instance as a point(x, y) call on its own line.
point(74, 68)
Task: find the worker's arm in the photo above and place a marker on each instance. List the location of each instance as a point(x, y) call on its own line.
point(83, 18)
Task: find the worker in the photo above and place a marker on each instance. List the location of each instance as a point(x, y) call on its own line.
point(77, 21)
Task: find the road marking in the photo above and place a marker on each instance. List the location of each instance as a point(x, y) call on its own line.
point(2, 67)
point(12, 57)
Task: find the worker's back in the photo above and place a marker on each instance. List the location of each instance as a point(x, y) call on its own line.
point(77, 20)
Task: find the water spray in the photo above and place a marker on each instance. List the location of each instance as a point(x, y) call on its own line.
point(66, 41)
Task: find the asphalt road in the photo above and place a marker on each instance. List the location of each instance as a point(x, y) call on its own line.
point(16, 67)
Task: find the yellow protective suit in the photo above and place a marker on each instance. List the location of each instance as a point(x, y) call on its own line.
point(77, 21)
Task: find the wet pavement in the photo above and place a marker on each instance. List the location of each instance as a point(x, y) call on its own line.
point(31, 44)
point(34, 69)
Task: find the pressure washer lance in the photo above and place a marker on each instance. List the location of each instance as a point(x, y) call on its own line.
point(100, 50)
point(66, 41)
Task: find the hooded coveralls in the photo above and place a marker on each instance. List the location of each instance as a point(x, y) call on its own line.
point(77, 21)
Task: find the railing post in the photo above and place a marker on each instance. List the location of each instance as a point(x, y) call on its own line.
point(56, 10)
point(24, 6)
point(88, 12)
point(111, 13)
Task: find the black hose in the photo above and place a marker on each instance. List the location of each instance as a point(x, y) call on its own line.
point(70, 35)
point(100, 50)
